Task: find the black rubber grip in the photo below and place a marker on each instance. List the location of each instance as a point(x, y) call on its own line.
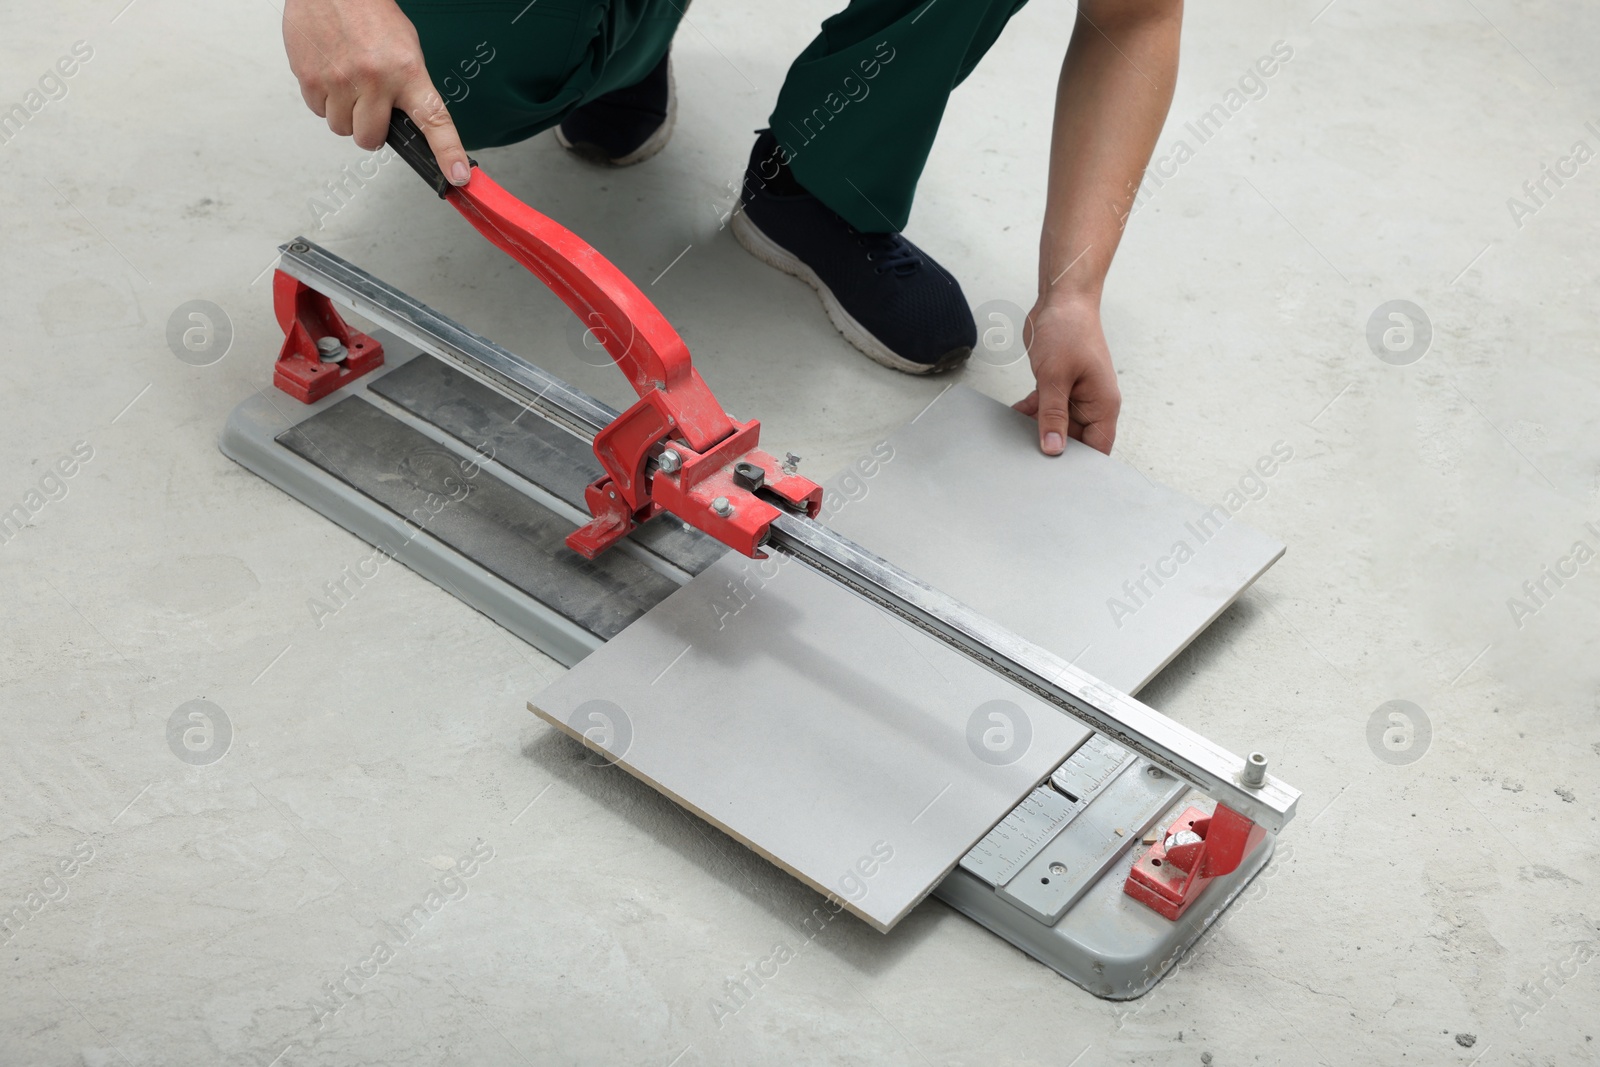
point(411, 146)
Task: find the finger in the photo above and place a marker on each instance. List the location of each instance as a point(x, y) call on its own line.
point(1028, 405)
point(371, 119)
point(1100, 436)
point(422, 102)
point(339, 109)
point(1095, 424)
point(1053, 421)
point(315, 99)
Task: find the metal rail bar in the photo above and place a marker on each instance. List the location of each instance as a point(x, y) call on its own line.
point(497, 367)
point(1188, 755)
point(1191, 757)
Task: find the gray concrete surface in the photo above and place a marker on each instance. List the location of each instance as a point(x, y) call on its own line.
point(1413, 903)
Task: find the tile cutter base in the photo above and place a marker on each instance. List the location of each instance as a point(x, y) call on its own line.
point(438, 429)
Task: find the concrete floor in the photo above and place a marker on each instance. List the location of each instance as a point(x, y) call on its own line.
point(1412, 904)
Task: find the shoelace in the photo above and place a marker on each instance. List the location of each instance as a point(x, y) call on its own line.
point(890, 251)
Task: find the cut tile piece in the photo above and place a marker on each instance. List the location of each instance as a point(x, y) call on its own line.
point(1079, 553)
point(837, 741)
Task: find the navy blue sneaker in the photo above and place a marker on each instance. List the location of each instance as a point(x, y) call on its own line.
point(625, 126)
point(887, 296)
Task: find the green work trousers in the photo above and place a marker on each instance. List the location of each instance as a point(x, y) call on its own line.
point(856, 115)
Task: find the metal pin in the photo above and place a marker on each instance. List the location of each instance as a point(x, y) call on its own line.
point(1255, 771)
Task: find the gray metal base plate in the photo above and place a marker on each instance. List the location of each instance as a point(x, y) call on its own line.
point(1109, 945)
point(462, 487)
point(476, 495)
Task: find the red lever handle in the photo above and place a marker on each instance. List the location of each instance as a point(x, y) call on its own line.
point(717, 471)
point(644, 345)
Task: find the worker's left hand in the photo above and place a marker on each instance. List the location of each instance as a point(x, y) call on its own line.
point(1077, 394)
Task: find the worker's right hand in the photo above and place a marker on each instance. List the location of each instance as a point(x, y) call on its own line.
point(359, 59)
point(1077, 394)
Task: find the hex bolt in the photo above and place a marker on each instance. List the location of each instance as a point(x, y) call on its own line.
point(722, 507)
point(329, 350)
point(670, 461)
point(1255, 770)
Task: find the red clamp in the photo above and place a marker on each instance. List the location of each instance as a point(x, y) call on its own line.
point(675, 449)
point(1195, 849)
point(320, 350)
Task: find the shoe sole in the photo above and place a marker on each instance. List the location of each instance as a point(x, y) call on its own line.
point(773, 254)
point(652, 145)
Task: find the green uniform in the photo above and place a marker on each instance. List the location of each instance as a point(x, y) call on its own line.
point(856, 116)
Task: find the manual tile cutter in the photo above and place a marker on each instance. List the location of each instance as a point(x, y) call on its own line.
point(677, 451)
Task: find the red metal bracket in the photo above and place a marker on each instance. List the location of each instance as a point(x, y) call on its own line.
point(676, 409)
point(306, 317)
point(1195, 849)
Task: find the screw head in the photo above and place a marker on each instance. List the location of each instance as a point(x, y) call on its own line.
point(299, 246)
point(1058, 869)
point(670, 461)
point(722, 506)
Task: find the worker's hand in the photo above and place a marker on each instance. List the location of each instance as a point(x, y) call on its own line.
point(359, 59)
point(1077, 394)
